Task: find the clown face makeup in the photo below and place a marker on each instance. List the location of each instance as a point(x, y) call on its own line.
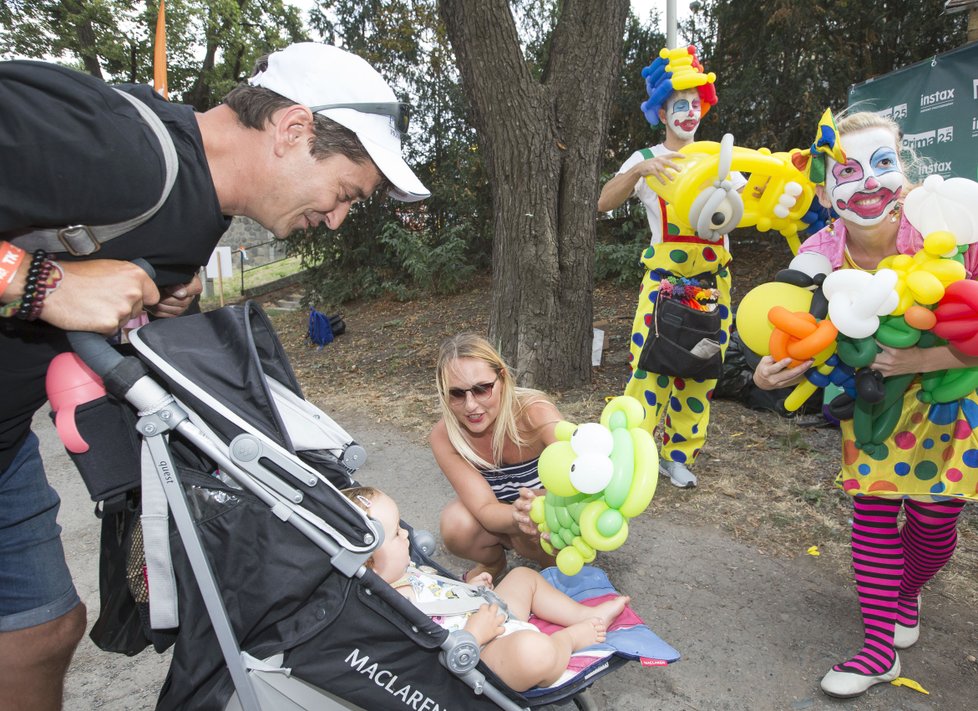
point(683, 113)
point(865, 189)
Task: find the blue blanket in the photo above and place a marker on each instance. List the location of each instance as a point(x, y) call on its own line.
point(635, 642)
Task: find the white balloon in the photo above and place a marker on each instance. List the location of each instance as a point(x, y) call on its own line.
point(857, 299)
point(590, 473)
point(944, 205)
point(592, 438)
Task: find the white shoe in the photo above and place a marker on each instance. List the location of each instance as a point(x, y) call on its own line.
point(904, 637)
point(679, 475)
point(846, 685)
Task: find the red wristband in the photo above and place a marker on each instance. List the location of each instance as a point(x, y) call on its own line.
point(10, 258)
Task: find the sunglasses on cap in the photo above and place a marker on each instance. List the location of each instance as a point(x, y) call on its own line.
point(399, 111)
point(480, 391)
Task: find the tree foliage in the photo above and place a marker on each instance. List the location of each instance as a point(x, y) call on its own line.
point(391, 247)
point(781, 63)
point(113, 39)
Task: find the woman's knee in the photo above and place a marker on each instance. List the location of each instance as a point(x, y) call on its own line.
point(459, 528)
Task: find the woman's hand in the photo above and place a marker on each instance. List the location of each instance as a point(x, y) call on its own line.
point(773, 374)
point(900, 361)
point(521, 512)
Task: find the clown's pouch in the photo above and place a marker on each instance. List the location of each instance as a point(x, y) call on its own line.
point(683, 341)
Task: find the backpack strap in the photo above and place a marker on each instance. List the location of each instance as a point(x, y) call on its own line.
point(82, 240)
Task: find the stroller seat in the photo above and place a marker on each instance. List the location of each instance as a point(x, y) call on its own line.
point(274, 608)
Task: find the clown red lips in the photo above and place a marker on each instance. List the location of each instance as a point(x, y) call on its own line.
point(866, 188)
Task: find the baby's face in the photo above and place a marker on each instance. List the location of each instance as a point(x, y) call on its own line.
point(393, 557)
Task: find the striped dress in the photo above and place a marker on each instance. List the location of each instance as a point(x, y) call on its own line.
point(507, 481)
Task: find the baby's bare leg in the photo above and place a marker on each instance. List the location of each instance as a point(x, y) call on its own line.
point(526, 658)
point(524, 590)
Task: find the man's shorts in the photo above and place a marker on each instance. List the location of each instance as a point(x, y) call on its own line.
point(35, 583)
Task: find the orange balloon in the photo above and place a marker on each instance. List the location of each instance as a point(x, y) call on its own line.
point(920, 317)
point(798, 324)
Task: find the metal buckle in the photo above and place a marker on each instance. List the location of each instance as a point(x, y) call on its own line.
point(79, 240)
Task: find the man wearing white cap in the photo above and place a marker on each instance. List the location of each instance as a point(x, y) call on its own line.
point(97, 176)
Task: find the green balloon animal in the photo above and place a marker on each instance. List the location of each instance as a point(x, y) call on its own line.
point(597, 477)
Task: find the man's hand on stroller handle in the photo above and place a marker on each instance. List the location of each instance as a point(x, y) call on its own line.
point(99, 295)
point(175, 299)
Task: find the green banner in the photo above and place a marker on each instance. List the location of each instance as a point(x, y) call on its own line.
point(936, 104)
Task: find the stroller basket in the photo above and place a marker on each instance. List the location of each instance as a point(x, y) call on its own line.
point(275, 607)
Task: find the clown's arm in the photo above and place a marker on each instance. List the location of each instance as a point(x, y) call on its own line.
point(899, 361)
point(622, 186)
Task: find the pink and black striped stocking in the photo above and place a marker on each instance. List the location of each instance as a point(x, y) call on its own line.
point(929, 536)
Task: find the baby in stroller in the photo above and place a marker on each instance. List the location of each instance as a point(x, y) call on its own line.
point(517, 651)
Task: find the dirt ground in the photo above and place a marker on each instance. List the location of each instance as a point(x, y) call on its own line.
point(722, 572)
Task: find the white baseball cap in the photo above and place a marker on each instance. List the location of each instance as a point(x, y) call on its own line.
point(344, 88)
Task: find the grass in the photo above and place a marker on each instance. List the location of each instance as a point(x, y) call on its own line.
point(252, 278)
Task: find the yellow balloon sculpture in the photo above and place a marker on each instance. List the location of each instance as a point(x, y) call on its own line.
point(597, 476)
point(922, 278)
point(777, 194)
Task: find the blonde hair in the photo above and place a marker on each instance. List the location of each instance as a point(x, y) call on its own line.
point(513, 400)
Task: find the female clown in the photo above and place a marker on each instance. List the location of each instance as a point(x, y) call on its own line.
point(926, 466)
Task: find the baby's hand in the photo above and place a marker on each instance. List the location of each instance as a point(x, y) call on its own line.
point(484, 578)
point(486, 623)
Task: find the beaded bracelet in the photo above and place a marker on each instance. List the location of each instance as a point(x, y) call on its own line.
point(43, 277)
point(10, 258)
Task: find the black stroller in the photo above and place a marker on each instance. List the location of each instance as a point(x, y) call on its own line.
point(254, 560)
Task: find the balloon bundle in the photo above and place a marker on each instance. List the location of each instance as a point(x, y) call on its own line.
point(690, 292)
point(597, 476)
point(920, 300)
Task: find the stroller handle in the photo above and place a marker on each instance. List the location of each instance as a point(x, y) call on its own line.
point(97, 353)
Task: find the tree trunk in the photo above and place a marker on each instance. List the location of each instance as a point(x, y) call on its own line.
point(542, 141)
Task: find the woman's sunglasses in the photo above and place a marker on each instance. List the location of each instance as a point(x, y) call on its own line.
point(480, 391)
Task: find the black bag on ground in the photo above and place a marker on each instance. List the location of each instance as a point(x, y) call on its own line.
point(683, 341)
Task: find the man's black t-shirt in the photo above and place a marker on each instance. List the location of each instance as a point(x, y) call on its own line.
point(75, 152)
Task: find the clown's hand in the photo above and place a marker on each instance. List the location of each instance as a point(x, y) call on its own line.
point(663, 168)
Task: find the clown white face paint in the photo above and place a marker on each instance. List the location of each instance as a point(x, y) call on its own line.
point(865, 188)
point(683, 113)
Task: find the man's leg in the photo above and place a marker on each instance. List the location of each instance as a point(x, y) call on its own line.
point(41, 616)
point(35, 661)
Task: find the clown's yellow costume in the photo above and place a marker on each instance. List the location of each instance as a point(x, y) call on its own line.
point(679, 254)
point(680, 93)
